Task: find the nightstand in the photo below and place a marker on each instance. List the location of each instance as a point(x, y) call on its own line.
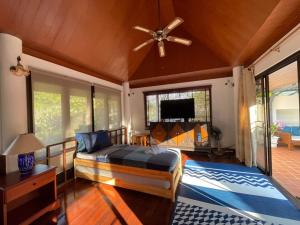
point(24, 198)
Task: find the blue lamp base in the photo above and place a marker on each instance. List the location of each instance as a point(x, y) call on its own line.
point(26, 162)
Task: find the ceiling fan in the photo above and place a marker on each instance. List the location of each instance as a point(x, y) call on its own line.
point(161, 34)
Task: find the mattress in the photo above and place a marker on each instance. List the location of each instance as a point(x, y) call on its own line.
point(162, 159)
point(124, 177)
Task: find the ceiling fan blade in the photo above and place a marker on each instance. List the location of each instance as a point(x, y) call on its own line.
point(144, 30)
point(175, 23)
point(161, 49)
point(179, 40)
point(143, 45)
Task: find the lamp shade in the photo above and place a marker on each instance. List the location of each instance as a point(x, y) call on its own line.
point(24, 143)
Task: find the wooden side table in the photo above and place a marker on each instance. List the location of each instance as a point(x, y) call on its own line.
point(24, 198)
point(140, 139)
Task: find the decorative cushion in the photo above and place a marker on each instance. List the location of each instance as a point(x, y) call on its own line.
point(92, 141)
point(83, 142)
point(293, 130)
point(100, 140)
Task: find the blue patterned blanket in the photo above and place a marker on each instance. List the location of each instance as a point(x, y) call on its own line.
point(136, 156)
point(218, 193)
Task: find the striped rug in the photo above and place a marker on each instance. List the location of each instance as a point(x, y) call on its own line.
point(218, 193)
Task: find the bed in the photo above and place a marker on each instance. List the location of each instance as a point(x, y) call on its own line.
point(139, 168)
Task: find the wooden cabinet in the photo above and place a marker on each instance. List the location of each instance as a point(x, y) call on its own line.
point(183, 135)
point(24, 198)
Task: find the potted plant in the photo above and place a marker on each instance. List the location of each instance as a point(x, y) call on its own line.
point(274, 139)
point(216, 134)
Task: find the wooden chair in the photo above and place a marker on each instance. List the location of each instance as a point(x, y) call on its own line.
point(285, 138)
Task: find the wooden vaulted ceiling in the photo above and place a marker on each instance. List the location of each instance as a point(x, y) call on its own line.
point(96, 37)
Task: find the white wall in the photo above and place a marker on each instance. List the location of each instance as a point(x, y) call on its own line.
point(13, 115)
point(288, 45)
point(286, 102)
point(44, 65)
point(222, 106)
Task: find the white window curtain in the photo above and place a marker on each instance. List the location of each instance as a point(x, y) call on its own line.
point(245, 106)
point(61, 107)
point(107, 108)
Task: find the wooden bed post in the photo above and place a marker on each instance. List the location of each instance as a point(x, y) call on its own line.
point(126, 135)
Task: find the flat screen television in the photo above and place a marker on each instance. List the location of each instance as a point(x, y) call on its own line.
point(177, 109)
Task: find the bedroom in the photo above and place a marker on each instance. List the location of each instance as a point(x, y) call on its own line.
point(82, 69)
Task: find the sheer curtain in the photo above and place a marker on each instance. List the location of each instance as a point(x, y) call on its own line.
point(246, 100)
point(61, 107)
point(107, 108)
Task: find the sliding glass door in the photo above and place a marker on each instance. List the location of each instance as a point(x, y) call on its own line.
point(278, 124)
point(285, 127)
point(260, 126)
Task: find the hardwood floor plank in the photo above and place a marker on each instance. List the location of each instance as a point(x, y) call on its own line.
point(88, 203)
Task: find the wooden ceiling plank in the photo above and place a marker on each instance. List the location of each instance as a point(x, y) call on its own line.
point(97, 36)
point(183, 77)
point(179, 59)
point(224, 26)
point(282, 19)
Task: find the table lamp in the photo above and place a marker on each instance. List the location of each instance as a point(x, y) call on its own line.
point(24, 146)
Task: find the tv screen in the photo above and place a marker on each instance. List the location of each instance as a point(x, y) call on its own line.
point(177, 109)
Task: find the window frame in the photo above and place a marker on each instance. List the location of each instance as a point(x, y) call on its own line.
point(30, 106)
point(178, 90)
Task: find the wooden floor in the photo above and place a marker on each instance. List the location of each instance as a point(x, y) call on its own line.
point(89, 203)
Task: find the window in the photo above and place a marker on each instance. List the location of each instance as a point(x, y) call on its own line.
point(201, 95)
point(61, 107)
point(107, 108)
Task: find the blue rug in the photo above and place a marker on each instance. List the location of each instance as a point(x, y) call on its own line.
point(218, 193)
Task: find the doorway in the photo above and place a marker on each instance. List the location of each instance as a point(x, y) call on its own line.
point(278, 124)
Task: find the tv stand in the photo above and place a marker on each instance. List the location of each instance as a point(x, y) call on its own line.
point(189, 136)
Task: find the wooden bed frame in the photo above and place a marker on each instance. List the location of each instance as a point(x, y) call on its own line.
point(172, 177)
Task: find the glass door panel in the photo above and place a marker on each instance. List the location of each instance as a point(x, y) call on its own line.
point(260, 125)
point(285, 128)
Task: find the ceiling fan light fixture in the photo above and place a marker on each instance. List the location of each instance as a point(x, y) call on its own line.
point(144, 30)
point(161, 49)
point(174, 23)
point(142, 45)
point(180, 40)
point(162, 34)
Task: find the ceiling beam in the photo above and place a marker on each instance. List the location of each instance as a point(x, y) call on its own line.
point(67, 63)
point(183, 77)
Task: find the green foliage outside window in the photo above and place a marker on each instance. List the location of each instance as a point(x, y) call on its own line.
point(47, 116)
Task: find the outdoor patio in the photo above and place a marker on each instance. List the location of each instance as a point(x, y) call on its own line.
point(286, 168)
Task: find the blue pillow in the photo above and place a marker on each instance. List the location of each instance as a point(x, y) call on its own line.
point(100, 140)
point(83, 142)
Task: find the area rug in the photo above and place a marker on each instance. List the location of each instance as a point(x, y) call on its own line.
point(219, 193)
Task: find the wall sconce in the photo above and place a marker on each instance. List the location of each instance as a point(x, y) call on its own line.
point(229, 83)
point(19, 70)
point(130, 94)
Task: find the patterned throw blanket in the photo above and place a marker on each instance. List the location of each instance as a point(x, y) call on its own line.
point(139, 156)
point(217, 193)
